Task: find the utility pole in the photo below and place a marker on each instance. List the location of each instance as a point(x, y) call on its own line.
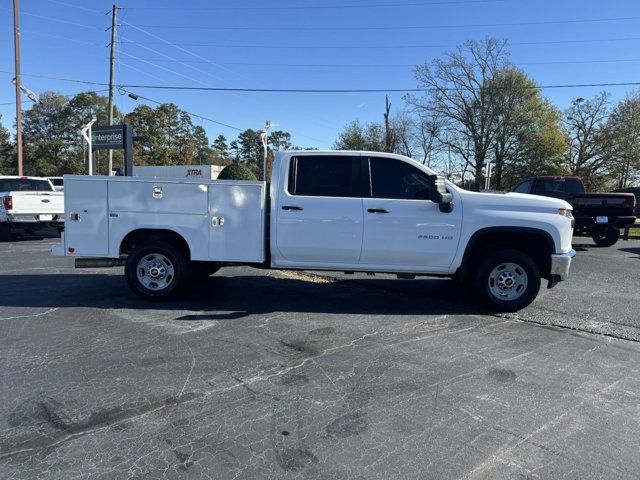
point(16, 44)
point(114, 14)
point(265, 143)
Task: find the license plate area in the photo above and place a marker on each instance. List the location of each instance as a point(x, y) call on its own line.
point(45, 218)
point(602, 219)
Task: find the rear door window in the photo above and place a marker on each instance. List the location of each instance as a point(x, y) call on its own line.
point(325, 176)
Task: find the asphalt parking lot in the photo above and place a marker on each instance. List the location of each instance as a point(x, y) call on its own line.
point(260, 374)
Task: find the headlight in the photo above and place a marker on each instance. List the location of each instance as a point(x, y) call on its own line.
point(565, 212)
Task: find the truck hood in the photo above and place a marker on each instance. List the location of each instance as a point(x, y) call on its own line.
point(513, 201)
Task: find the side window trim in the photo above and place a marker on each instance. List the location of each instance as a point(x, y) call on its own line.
point(365, 167)
point(293, 176)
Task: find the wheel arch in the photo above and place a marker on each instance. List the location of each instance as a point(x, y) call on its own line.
point(535, 242)
point(135, 237)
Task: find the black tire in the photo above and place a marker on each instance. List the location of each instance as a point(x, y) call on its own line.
point(5, 232)
point(485, 285)
point(174, 261)
point(203, 270)
point(607, 238)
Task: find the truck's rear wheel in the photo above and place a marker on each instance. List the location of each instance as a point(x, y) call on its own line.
point(507, 280)
point(606, 238)
point(156, 270)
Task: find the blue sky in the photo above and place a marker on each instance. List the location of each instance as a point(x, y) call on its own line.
point(295, 44)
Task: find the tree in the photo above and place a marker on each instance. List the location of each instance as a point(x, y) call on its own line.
point(428, 128)
point(585, 124)
point(204, 154)
point(236, 172)
point(234, 150)
point(46, 137)
point(221, 149)
point(356, 137)
point(7, 159)
point(80, 109)
point(280, 140)
point(352, 137)
point(623, 131)
point(250, 150)
point(166, 136)
point(528, 130)
point(458, 92)
point(403, 126)
point(389, 133)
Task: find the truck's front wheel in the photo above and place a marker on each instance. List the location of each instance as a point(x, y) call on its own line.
point(156, 270)
point(507, 280)
point(606, 238)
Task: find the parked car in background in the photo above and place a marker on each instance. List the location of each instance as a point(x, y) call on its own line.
point(636, 192)
point(344, 211)
point(28, 203)
point(58, 183)
point(597, 215)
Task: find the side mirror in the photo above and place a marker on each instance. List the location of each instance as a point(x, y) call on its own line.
point(440, 195)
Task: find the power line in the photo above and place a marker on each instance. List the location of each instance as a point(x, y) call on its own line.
point(50, 35)
point(390, 27)
point(170, 58)
point(323, 7)
point(78, 7)
point(314, 90)
point(190, 113)
point(53, 19)
point(383, 65)
point(69, 95)
point(376, 47)
point(178, 47)
point(360, 90)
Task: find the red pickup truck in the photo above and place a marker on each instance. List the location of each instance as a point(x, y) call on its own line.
point(597, 215)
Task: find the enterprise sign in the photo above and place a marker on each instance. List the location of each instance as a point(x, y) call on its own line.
point(108, 137)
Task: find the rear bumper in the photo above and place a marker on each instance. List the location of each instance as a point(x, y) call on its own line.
point(560, 265)
point(617, 222)
point(35, 218)
point(623, 222)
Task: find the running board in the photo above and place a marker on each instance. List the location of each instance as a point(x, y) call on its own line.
point(99, 262)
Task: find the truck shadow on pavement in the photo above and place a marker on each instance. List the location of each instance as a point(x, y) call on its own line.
point(632, 250)
point(229, 297)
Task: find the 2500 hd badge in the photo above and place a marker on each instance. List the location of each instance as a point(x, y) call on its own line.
point(435, 237)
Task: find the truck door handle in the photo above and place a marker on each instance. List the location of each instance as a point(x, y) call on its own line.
point(377, 210)
point(291, 207)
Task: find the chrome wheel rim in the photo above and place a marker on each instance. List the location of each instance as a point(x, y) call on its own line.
point(155, 271)
point(508, 281)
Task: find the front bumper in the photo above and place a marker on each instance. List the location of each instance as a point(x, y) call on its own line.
point(560, 265)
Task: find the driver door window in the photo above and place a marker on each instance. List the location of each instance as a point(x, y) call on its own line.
point(392, 178)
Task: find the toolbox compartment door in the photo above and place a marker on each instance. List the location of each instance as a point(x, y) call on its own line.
point(86, 229)
point(237, 221)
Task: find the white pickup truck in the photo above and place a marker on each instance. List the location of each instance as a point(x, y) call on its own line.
point(336, 211)
point(27, 203)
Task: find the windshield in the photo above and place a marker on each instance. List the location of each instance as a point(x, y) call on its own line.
point(24, 185)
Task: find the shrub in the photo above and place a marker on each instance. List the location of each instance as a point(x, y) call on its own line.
point(236, 172)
